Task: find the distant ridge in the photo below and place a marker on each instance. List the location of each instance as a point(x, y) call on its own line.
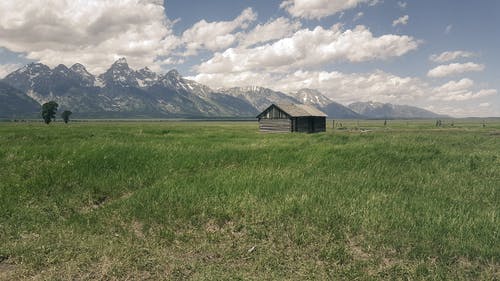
point(15, 103)
point(377, 110)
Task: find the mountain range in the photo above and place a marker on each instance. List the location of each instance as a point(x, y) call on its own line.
point(122, 92)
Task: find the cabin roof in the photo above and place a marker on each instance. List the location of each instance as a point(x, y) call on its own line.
point(297, 110)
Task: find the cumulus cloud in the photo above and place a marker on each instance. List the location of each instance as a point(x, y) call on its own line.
point(450, 56)
point(460, 91)
point(402, 5)
point(454, 69)
point(402, 20)
point(464, 110)
point(272, 30)
point(93, 32)
point(308, 48)
point(5, 69)
point(215, 36)
point(318, 9)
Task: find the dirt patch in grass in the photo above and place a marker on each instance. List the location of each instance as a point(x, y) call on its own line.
point(357, 251)
point(137, 227)
point(7, 269)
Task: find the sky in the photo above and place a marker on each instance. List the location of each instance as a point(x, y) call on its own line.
point(441, 55)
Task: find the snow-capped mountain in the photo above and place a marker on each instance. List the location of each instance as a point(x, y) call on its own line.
point(122, 91)
point(145, 77)
point(81, 73)
point(259, 97)
point(377, 110)
point(332, 109)
point(312, 97)
point(119, 75)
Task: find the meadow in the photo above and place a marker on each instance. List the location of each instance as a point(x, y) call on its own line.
point(221, 201)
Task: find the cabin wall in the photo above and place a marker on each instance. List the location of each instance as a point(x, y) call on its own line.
point(319, 124)
point(275, 125)
point(309, 124)
point(301, 124)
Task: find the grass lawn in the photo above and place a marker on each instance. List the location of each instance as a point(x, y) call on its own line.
point(221, 201)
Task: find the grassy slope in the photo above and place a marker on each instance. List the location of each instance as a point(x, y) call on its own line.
point(222, 201)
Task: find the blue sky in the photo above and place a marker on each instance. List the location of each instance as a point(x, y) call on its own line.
point(441, 55)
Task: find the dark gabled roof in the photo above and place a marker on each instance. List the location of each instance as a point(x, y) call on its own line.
point(297, 110)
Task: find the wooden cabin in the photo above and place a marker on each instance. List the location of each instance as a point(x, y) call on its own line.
point(292, 118)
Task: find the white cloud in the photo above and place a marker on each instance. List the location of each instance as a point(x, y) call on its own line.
point(450, 56)
point(454, 68)
point(456, 86)
point(272, 30)
point(317, 9)
point(308, 48)
point(464, 110)
point(402, 5)
point(215, 36)
point(448, 29)
point(485, 104)
point(402, 20)
point(172, 61)
point(460, 91)
point(358, 16)
point(5, 69)
point(93, 32)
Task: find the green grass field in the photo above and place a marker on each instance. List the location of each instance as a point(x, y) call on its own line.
point(221, 201)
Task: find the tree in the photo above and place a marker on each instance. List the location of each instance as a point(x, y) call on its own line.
point(49, 110)
point(65, 116)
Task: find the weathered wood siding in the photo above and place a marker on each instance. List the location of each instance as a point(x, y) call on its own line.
point(319, 124)
point(274, 113)
point(309, 124)
point(275, 125)
point(301, 124)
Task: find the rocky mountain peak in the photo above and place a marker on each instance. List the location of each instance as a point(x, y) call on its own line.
point(25, 77)
point(146, 77)
point(312, 97)
point(119, 74)
point(146, 72)
point(121, 61)
point(33, 68)
point(120, 65)
point(81, 74)
point(61, 69)
point(174, 74)
point(79, 68)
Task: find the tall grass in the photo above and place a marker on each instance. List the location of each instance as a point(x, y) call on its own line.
point(223, 201)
